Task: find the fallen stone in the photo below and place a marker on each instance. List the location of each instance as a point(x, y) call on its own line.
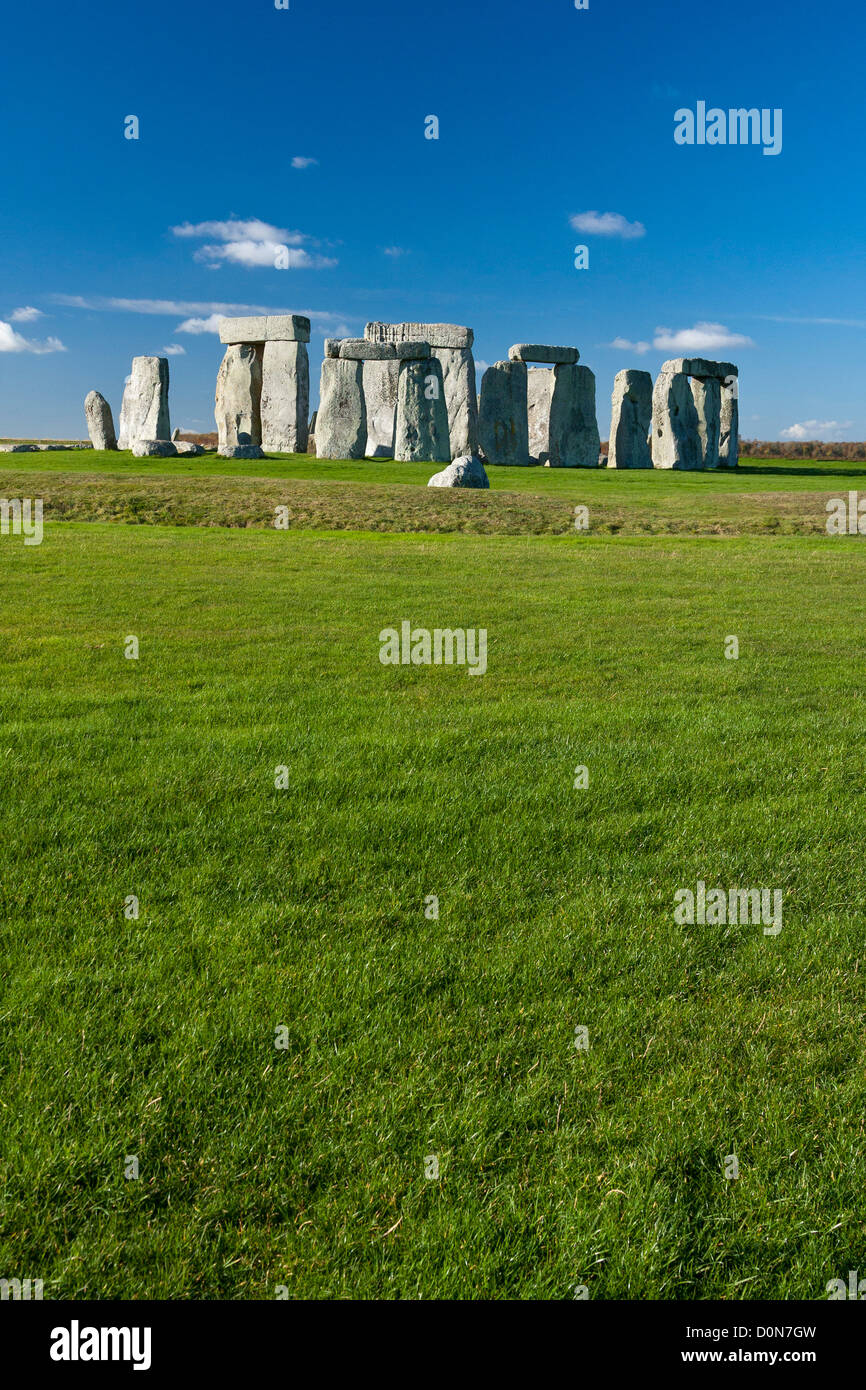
point(186, 446)
point(144, 411)
point(242, 451)
point(341, 420)
point(154, 448)
point(503, 422)
point(539, 388)
point(631, 420)
point(285, 403)
point(238, 401)
point(20, 448)
point(268, 328)
point(461, 401)
point(574, 438)
point(380, 394)
point(100, 422)
point(421, 430)
point(360, 350)
point(438, 335)
point(675, 441)
point(538, 352)
point(467, 471)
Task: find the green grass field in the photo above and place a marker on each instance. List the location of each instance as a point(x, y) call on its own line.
point(302, 908)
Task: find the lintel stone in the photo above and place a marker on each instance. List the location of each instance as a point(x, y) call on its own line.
point(539, 352)
point(266, 328)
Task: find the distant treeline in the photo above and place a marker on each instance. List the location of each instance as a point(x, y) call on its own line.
point(800, 449)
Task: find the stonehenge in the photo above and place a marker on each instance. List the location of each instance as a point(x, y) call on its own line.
point(263, 385)
point(451, 345)
point(503, 423)
point(544, 415)
point(695, 414)
point(341, 420)
point(100, 422)
point(573, 440)
point(631, 417)
point(144, 410)
point(421, 431)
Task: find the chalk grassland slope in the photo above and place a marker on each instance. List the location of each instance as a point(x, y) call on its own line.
point(762, 500)
point(408, 1037)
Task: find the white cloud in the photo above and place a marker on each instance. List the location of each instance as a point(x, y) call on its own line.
point(836, 323)
point(173, 350)
point(607, 224)
point(253, 244)
point(302, 161)
point(25, 315)
point(625, 345)
point(703, 337)
point(209, 325)
point(328, 324)
point(395, 251)
point(10, 341)
point(814, 429)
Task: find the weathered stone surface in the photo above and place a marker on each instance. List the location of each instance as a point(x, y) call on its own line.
point(503, 424)
point(332, 347)
point(574, 439)
point(630, 421)
point(100, 422)
point(540, 352)
point(360, 350)
point(421, 431)
point(699, 366)
point(144, 411)
point(267, 328)
point(186, 446)
point(461, 401)
point(707, 396)
point(154, 448)
point(467, 471)
point(285, 397)
point(20, 448)
point(729, 426)
point(380, 380)
point(412, 347)
point(675, 440)
point(175, 434)
point(539, 388)
point(438, 335)
point(242, 451)
point(238, 403)
point(341, 420)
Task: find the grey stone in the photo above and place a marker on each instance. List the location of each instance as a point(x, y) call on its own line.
point(238, 402)
point(360, 350)
point(100, 423)
point(412, 347)
point(144, 411)
point(154, 448)
point(267, 328)
point(699, 366)
point(285, 397)
point(186, 446)
point(630, 421)
point(380, 380)
point(461, 401)
point(707, 396)
point(729, 426)
point(574, 438)
point(332, 347)
point(20, 448)
point(539, 352)
point(421, 432)
point(341, 420)
point(175, 434)
point(539, 388)
point(438, 335)
point(675, 440)
point(503, 423)
point(467, 471)
point(242, 451)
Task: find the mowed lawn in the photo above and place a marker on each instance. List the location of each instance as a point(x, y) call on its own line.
point(409, 1037)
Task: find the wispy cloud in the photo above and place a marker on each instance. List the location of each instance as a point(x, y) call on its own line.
point(174, 350)
point(785, 318)
point(814, 429)
point(626, 345)
point(25, 315)
point(302, 161)
point(203, 315)
point(703, 337)
point(395, 251)
point(607, 224)
point(253, 244)
point(10, 341)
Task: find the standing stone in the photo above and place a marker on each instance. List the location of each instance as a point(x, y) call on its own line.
point(421, 432)
point(707, 396)
point(631, 418)
point(539, 386)
point(503, 424)
point(238, 407)
point(461, 402)
point(144, 410)
point(380, 395)
point(285, 397)
point(675, 439)
point(729, 424)
point(341, 420)
point(574, 437)
point(100, 424)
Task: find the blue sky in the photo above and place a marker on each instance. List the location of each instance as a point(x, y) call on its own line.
point(308, 126)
